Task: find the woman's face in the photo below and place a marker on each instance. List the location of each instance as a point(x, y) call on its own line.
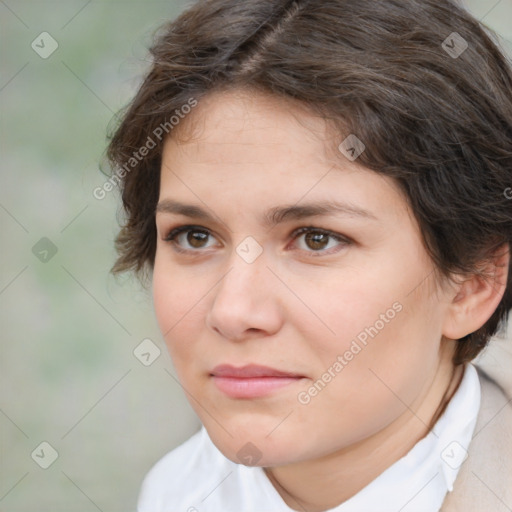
point(274, 252)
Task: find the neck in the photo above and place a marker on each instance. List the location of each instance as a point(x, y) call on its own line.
point(314, 485)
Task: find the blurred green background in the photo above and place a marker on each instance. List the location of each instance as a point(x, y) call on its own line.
point(69, 375)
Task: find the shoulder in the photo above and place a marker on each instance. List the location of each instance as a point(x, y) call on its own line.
point(484, 479)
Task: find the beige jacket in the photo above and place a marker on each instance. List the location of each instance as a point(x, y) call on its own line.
point(484, 483)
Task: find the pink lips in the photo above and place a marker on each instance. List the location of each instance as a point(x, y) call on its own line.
point(251, 381)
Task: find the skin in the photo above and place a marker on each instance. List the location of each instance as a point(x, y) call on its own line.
point(238, 156)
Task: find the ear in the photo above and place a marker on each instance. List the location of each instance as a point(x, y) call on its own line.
point(475, 298)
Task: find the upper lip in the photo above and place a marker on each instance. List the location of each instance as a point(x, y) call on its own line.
point(249, 371)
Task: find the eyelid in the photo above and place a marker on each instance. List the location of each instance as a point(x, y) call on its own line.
point(172, 233)
point(306, 229)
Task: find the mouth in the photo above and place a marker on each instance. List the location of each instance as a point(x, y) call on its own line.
point(251, 381)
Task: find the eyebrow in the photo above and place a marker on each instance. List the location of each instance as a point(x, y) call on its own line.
point(275, 215)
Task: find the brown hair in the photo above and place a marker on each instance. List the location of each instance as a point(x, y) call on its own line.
point(434, 114)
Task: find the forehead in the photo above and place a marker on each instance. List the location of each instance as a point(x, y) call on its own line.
point(261, 150)
point(234, 125)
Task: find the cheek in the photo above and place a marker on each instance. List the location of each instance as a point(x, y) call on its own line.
point(343, 307)
point(178, 302)
point(381, 364)
point(168, 299)
point(386, 304)
point(385, 347)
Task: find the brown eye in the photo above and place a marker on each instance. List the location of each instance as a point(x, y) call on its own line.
point(190, 238)
point(316, 241)
point(319, 241)
point(197, 239)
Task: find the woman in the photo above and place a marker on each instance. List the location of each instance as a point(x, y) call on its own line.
point(318, 192)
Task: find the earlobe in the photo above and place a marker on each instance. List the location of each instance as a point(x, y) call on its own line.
point(477, 297)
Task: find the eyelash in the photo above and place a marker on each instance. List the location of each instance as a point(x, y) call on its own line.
point(342, 240)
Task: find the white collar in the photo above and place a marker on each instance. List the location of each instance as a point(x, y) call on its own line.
point(419, 481)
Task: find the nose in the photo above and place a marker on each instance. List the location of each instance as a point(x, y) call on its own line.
point(245, 305)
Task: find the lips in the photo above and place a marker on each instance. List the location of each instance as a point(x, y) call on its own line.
point(249, 372)
point(251, 381)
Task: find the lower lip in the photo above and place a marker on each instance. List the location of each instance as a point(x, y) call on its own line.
point(255, 387)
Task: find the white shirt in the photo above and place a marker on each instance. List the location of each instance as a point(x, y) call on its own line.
point(197, 477)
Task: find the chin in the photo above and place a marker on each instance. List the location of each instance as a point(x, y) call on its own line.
point(252, 446)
